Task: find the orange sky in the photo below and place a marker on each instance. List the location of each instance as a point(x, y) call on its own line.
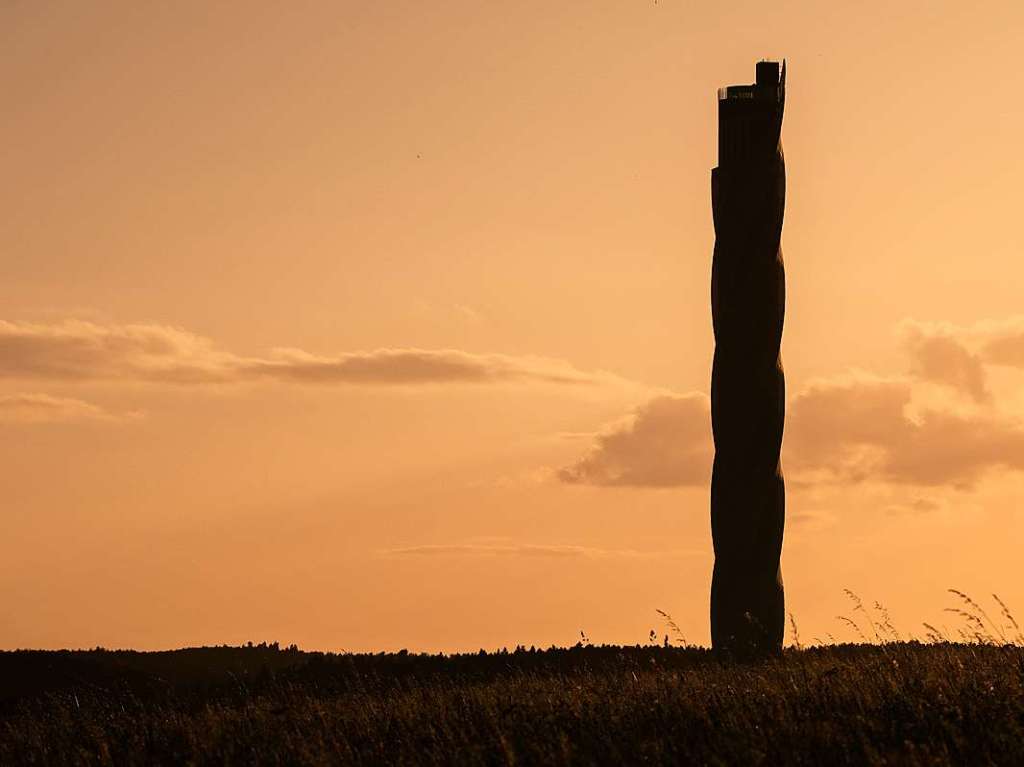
point(381, 325)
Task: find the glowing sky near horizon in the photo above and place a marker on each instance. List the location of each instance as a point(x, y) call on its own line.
point(378, 325)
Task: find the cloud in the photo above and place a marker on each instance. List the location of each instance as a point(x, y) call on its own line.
point(844, 430)
point(837, 425)
point(78, 351)
point(1000, 342)
point(415, 366)
point(83, 351)
point(810, 520)
point(42, 408)
point(938, 355)
point(849, 428)
point(522, 550)
point(913, 506)
point(858, 427)
point(955, 355)
point(666, 443)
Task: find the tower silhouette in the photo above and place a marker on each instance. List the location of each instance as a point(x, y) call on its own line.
point(748, 495)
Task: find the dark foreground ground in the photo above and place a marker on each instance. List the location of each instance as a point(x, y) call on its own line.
point(897, 704)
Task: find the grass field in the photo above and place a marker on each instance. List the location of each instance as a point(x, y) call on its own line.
point(897, 703)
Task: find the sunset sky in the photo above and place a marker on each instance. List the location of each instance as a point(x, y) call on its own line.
point(377, 325)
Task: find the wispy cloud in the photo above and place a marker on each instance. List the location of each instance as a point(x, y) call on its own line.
point(43, 408)
point(524, 550)
point(83, 351)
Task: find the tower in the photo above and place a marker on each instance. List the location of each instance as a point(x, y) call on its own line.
point(748, 402)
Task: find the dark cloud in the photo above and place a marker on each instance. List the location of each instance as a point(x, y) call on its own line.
point(80, 351)
point(666, 443)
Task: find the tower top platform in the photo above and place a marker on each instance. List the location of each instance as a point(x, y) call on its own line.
point(770, 78)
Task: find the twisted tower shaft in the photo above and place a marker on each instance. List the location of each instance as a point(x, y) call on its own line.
point(748, 494)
